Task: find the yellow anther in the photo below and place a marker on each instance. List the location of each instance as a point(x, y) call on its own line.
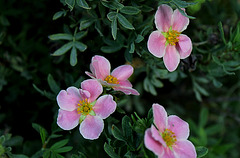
point(172, 37)
point(111, 79)
point(169, 137)
point(84, 107)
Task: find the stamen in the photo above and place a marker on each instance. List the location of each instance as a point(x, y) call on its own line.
point(111, 79)
point(84, 107)
point(172, 36)
point(169, 138)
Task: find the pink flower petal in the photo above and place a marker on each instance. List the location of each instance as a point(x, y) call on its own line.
point(184, 46)
point(122, 72)
point(125, 83)
point(168, 153)
point(92, 69)
point(179, 127)
point(171, 58)
point(185, 149)
point(160, 117)
point(104, 106)
point(84, 94)
point(68, 100)
point(91, 127)
point(126, 90)
point(93, 87)
point(156, 135)
point(100, 66)
point(163, 18)
point(180, 22)
point(156, 44)
point(67, 120)
point(152, 144)
point(90, 74)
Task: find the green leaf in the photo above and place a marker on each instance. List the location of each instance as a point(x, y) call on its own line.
point(70, 3)
point(85, 24)
point(148, 86)
point(128, 56)
point(203, 136)
point(183, 12)
point(80, 155)
point(223, 148)
point(124, 22)
point(55, 136)
point(59, 144)
point(110, 49)
point(83, 4)
point(110, 151)
point(114, 28)
point(14, 141)
point(17, 155)
point(44, 93)
point(73, 56)
point(80, 46)
point(52, 84)
point(38, 154)
point(80, 35)
point(61, 36)
point(113, 4)
point(220, 27)
point(42, 131)
point(156, 82)
point(183, 4)
point(200, 89)
point(46, 154)
point(214, 129)
point(4, 21)
point(150, 114)
point(98, 27)
point(139, 39)
point(112, 16)
point(132, 48)
point(197, 95)
point(58, 15)
point(145, 8)
point(236, 34)
point(127, 130)
point(201, 151)
point(203, 118)
point(130, 10)
point(63, 149)
point(117, 133)
point(63, 49)
point(217, 61)
point(216, 83)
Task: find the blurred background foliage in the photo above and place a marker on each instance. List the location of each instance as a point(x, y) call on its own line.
point(46, 46)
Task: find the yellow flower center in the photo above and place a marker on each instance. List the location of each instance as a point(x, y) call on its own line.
point(171, 36)
point(111, 79)
point(84, 107)
point(169, 137)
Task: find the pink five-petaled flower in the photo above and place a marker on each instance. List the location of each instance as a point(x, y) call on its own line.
point(167, 138)
point(167, 41)
point(118, 79)
point(79, 106)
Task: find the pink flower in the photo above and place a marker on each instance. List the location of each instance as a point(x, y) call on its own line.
point(167, 41)
point(81, 106)
point(118, 79)
point(168, 138)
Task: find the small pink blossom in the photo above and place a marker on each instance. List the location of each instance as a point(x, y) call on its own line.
point(167, 138)
point(118, 79)
point(167, 41)
point(81, 106)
